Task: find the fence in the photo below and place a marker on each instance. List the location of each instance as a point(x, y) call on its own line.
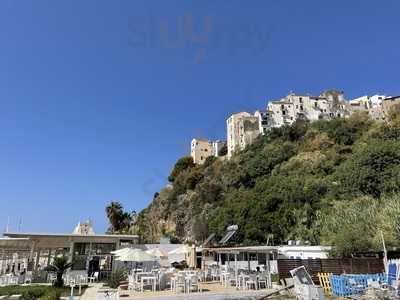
point(346, 285)
point(324, 282)
point(335, 266)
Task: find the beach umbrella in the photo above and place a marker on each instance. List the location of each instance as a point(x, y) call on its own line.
point(157, 252)
point(192, 257)
point(120, 252)
point(180, 250)
point(136, 255)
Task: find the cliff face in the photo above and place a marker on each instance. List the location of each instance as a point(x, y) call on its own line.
point(278, 188)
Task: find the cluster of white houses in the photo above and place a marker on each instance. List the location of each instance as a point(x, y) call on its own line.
point(243, 127)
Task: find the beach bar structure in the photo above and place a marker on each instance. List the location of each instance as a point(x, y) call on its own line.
point(86, 250)
point(244, 257)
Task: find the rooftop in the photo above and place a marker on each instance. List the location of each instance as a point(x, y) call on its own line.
point(66, 235)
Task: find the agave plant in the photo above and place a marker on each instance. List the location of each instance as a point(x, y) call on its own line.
point(59, 266)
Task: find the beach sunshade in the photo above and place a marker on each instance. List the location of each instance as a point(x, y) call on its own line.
point(192, 257)
point(180, 250)
point(120, 252)
point(136, 255)
point(157, 252)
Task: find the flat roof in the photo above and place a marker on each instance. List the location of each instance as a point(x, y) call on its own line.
point(24, 240)
point(61, 235)
point(18, 243)
point(242, 249)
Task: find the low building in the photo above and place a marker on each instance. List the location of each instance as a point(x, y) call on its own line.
point(89, 252)
point(303, 252)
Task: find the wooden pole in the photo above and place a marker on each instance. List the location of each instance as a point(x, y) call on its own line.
point(385, 259)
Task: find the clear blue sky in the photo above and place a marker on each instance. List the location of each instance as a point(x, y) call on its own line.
point(99, 98)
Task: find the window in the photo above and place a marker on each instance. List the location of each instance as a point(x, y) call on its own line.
point(282, 106)
point(315, 104)
point(301, 107)
point(283, 112)
point(301, 100)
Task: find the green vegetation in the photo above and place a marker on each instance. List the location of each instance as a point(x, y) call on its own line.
point(59, 266)
point(120, 221)
point(116, 278)
point(33, 292)
point(330, 182)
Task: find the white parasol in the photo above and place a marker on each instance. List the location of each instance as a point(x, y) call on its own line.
point(180, 250)
point(157, 252)
point(136, 255)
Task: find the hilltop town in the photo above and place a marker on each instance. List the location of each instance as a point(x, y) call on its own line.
point(243, 128)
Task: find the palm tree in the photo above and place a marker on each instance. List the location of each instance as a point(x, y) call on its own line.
point(59, 266)
point(114, 213)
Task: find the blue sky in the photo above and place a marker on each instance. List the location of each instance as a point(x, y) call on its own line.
point(99, 98)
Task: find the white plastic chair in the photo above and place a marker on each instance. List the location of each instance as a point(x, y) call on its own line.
point(94, 277)
point(194, 284)
point(180, 283)
point(251, 282)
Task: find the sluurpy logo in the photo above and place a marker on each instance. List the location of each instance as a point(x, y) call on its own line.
point(201, 36)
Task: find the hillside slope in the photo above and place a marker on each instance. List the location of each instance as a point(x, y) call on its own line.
point(302, 182)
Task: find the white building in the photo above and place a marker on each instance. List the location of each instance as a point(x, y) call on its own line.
point(369, 104)
point(329, 104)
point(263, 120)
point(242, 130)
point(304, 252)
point(217, 147)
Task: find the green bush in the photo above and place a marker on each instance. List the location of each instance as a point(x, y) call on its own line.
point(182, 164)
point(51, 295)
point(32, 292)
point(115, 278)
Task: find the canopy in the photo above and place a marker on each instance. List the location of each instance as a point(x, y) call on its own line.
point(181, 250)
point(136, 255)
point(157, 252)
point(120, 252)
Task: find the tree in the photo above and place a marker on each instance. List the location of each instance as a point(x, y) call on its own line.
point(373, 170)
point(182, 164)
point(115, 215)
point(59, 266)
point(223, 151)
